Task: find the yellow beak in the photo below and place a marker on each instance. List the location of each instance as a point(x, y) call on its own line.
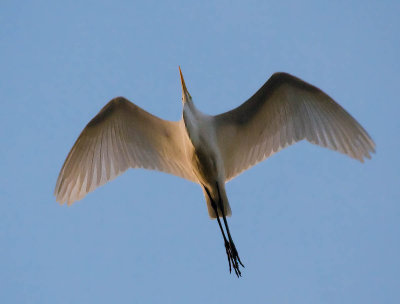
point(185, 92)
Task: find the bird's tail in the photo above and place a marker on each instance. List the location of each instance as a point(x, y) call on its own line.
point(217, 194)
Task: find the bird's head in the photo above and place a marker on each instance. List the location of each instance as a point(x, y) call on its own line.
point(185, 93)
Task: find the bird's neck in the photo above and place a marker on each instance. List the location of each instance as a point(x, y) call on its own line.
point(192, 119)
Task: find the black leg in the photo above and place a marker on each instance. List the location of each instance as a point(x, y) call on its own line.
point(231, 252)
point(227, 247)
point(236, 259)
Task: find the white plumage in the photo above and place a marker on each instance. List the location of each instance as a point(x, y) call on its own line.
point(209, 150)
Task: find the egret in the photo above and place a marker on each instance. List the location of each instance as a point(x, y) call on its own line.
point(205, 149)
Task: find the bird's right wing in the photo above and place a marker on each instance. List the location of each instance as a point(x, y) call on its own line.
point(121, 136)
point(282, 112)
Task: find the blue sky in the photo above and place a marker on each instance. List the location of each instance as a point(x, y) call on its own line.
point(311, 225)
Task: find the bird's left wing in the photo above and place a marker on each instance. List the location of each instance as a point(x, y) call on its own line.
point(121, 136)
point(282, 112)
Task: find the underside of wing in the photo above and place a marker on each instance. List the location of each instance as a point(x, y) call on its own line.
point(121, 136)
point(283, 111)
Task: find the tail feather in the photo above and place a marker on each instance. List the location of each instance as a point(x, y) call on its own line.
point(225, 203)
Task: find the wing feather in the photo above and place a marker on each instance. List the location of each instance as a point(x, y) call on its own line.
point(283, 111)
point(119, 137)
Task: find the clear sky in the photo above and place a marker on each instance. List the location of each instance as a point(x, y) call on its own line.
point(311, 225)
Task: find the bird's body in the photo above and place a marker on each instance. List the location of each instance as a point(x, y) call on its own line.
point(209, 150)
point(204, 155)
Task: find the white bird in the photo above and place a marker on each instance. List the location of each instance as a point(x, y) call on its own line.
point(205, 149)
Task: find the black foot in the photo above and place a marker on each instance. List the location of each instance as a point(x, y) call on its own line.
point(233, 258)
